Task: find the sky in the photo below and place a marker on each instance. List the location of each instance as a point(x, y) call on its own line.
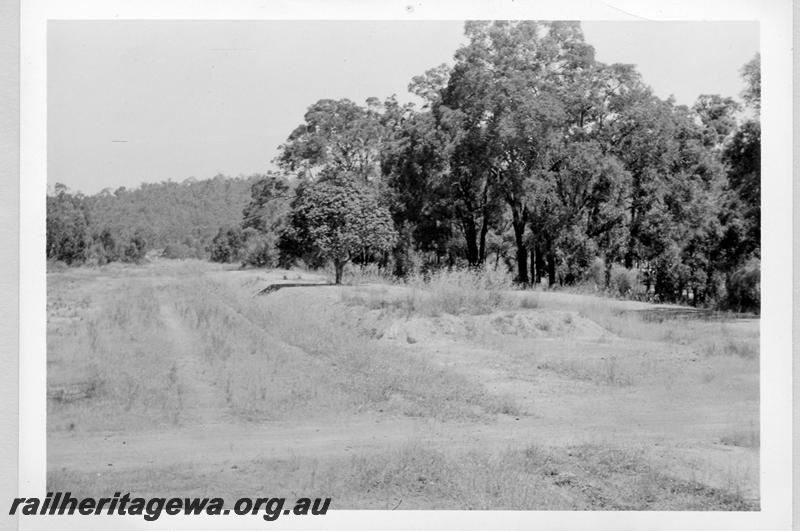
point(147, 101)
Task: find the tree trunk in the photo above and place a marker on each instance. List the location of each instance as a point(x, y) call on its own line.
point(551, 268)
point(482, 242)
point(485, 217)
point(632, 236)
point(540, 262)
point(522, 265)
point(534, 276)
point(338, 266)
point(518, 224)
point(471, 236)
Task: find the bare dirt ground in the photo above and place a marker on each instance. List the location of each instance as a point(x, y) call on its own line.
point(208, 382)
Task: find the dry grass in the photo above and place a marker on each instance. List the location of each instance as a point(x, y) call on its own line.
point(746, 348)
point(744, 438)
point(454, 292)
point(464, 292)
point(585, 477)
point(582, 477)
point(133, 364)
point(710, 337)
point(110, 364)
point(451, 292)
point(606, 371)
point(128, 346)
point(459, 292)
point(258, 376)
point(375, 375)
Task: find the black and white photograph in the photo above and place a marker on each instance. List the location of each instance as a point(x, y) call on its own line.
point(301, 265)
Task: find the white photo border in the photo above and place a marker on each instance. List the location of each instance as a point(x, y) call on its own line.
point(775, 18)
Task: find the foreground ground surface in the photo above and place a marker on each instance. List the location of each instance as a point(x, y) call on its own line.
point(175, 378)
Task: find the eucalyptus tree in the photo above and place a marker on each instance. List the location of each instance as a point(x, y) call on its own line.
point(580, 206)
point(269, 198)
point(740, 246)
point(577, 210)
point(718, 117)
point(523, 91)
point(336, 134)
point(751, 73)
point(448, 156)
point(743, 157)
point(415, 165)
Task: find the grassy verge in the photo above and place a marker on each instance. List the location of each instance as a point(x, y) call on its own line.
point(586, 477)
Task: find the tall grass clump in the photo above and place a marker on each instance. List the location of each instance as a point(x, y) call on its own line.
point(364, 274)
point(731, 345)
point(459, 291)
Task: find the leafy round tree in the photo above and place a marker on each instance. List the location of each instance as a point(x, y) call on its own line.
point(336, 219)
point(227, 245)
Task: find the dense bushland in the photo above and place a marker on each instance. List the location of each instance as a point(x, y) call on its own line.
point(526, 154)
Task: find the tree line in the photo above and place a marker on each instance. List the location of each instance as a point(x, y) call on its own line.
point(528, 154)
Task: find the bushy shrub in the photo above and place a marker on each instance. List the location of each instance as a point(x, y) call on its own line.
point(67, 226)
point(105, 248)
point(259, 249)
point(744, 287)
point(134, 247)
point(596, 273)
point(670, 275)
point(716, 290)
point(227, 246)
point(574, 253)
point(623, 281)
point(408, 263)
point(406, 260)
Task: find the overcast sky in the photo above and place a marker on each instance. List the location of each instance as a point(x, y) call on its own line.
point(144, 101)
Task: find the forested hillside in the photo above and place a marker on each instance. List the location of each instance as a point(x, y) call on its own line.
point(180, 218)
point(527, 154)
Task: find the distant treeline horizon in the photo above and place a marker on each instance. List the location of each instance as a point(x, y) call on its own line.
point(180, 217)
